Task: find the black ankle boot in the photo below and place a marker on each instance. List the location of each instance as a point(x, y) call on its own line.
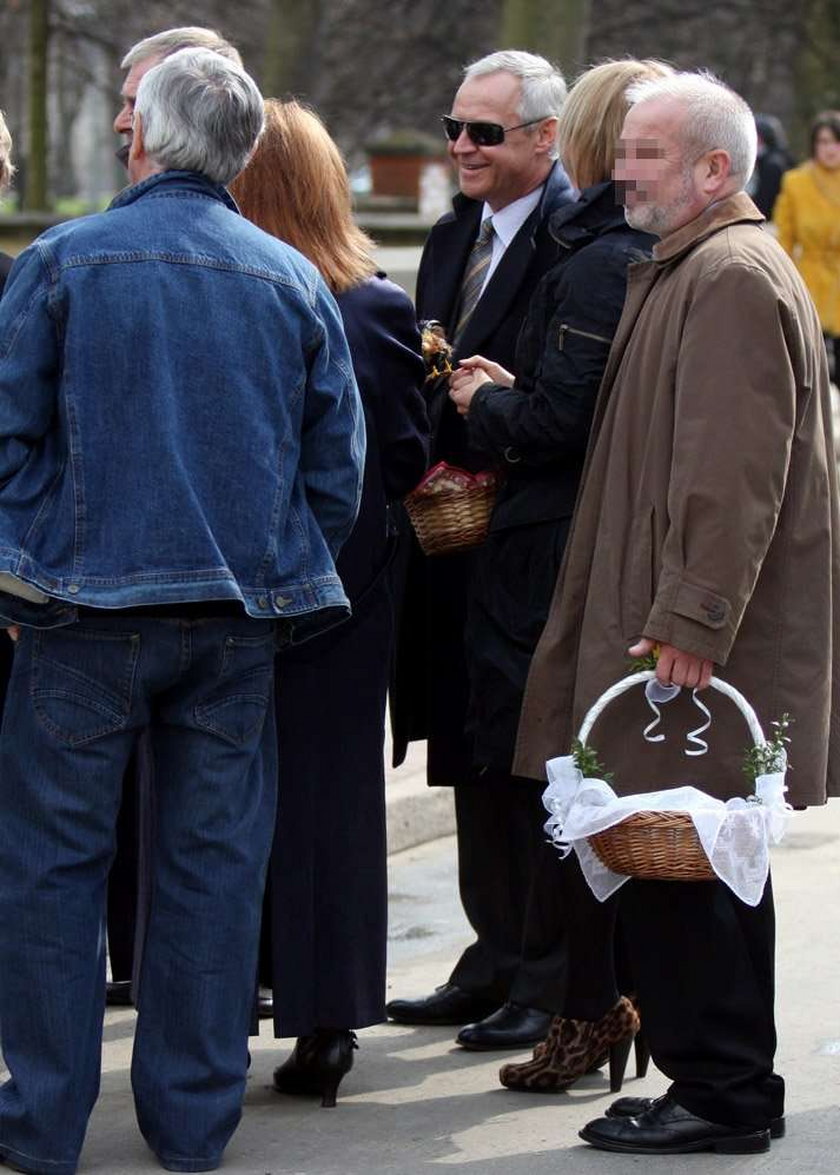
point(317, 1064)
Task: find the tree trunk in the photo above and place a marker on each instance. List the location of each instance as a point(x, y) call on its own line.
point(35, 193)
point(556, 30)
point(289, 49)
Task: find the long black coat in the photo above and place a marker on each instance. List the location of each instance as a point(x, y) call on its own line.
point(327, 892)
point(539, 431)
point(430, 690)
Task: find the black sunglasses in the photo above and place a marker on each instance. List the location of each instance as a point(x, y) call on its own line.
point(483, 134)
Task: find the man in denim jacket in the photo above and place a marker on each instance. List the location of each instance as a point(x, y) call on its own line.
point(180, 459)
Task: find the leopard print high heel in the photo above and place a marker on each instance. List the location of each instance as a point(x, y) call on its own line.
point(574, 1047)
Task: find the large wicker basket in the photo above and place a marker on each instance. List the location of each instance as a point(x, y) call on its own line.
point(455, 517)
point(658, 846)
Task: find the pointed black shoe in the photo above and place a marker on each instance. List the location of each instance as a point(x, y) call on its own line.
point(513, 1026)
point(668, 1129)
point(448, 1005)
point(317, 1064)
point(632, 1107)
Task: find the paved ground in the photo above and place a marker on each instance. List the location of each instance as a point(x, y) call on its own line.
point(414, 1103)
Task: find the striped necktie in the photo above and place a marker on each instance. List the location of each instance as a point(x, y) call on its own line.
point(476, 271)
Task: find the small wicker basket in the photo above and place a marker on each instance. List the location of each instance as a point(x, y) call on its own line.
point(659, 846)
point(454, 513)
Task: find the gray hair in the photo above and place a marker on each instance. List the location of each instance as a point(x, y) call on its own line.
point(543, 88)
point(716, 117)
point(172, 40)
point(6, 167)
point(200, 112)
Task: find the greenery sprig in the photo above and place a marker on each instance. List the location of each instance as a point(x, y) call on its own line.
point(640, 664)
point(770, 756)
point(586, 761)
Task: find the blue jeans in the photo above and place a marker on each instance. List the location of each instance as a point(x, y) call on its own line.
point(77, 699)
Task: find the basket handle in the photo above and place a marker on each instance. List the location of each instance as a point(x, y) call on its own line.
point(626, 683)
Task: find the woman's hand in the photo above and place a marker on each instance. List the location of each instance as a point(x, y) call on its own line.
point(463, 384)
point(494, 371)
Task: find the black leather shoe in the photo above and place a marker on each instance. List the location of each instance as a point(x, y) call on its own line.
point(510, 1027)
point(667, 1129)
point(118, 994)
point(447, 1004)
point(632, 1107)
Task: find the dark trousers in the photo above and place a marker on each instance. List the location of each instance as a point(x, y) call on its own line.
point(704, 971)
point(500, 842)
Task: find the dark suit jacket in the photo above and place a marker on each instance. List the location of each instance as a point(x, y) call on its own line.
point(494, 327)
point(385, 346)
point(430, 689)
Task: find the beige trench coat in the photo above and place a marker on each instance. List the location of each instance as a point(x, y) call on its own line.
point(708, 519)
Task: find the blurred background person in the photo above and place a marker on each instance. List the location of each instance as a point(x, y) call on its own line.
point(771, 163)
point(807, 217)
point(325, 918)
point(539, 422)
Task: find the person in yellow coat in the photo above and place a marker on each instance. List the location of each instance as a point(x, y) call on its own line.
point(807, 217)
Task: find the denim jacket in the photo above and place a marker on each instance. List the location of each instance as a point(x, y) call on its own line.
point(179, 419)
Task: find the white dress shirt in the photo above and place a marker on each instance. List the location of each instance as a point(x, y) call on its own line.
point(506, 224)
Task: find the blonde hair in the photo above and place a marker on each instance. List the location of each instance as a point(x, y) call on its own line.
point(593, 115)
point(295, 187)
point(6, 167)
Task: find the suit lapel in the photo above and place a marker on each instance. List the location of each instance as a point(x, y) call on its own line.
point(453, 242)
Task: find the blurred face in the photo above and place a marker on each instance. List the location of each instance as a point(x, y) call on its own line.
point(827, 148)
point(658, 185)
point(123, 123)
point(519, 163)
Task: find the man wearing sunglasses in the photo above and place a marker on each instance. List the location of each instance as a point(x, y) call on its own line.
point(479, 268)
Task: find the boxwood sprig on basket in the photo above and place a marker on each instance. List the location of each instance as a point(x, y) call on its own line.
point(771, 755)
point(586, 761)
point(641, 664)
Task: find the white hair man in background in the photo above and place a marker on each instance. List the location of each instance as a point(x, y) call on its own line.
point(150, 52)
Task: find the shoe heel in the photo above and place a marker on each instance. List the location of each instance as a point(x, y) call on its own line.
point(747, 1144)
point(619, 1052)
point(328, 1093)
point(640, 1044)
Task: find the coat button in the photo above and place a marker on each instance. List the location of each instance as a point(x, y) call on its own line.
point(715, 611)
point(262, 601)
point(280, 602)
point(73, 588)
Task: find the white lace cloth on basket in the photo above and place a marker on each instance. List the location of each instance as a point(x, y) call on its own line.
point(735, 834)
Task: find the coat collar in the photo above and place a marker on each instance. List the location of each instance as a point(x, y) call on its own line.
point(166, 182)
point(737, 209)
point(597, 210)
